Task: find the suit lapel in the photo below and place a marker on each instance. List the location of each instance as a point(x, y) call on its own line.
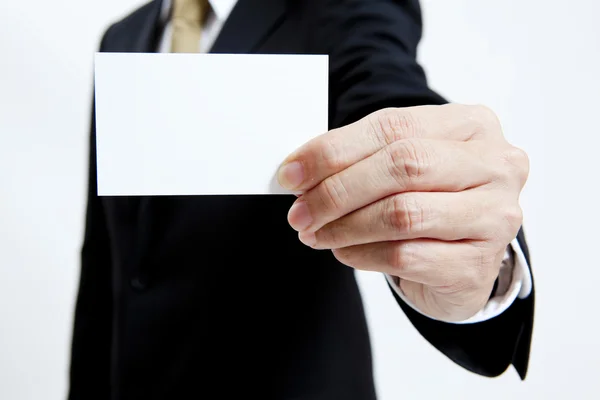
point(147, 36)
point(248, 25)
point(138, 33)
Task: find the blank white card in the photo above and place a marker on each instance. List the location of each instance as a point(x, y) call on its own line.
point(203, 124)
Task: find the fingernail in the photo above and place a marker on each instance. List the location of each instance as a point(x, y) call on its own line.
point(308, 238)
point(299, 216)
point(291, 175)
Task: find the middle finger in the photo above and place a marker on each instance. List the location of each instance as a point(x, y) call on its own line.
point(403, 166)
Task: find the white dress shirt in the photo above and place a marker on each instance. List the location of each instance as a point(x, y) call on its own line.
point(514, 279)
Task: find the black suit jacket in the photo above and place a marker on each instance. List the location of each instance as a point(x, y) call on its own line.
point(215, 297)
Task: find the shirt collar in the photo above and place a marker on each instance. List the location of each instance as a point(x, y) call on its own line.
point(221, 8)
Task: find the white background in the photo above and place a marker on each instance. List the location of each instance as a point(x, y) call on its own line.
point(535, 62)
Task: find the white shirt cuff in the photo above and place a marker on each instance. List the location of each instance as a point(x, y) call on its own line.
point(521, 284)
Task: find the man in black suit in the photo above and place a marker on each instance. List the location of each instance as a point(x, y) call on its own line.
point(223, 297)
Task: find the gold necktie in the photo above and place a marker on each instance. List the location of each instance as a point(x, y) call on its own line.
point(186, 19)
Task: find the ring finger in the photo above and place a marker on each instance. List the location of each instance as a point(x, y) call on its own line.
point(435, 215)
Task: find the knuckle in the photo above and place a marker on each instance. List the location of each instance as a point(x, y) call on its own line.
point(519, 159)
point(408, 161)
point(483, 118)
point(401, 258)
point(501, 173)
point(406, 215)
point(513, 216)
point(392, 124)
point(486, 115)
point(332, 157)
point(332, 193)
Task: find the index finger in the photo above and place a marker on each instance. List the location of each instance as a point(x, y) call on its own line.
point(340, 148)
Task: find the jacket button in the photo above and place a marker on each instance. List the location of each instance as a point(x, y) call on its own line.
point(139, 283)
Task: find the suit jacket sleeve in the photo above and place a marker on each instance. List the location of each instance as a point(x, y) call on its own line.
point(372, 46)
point(91, 341)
